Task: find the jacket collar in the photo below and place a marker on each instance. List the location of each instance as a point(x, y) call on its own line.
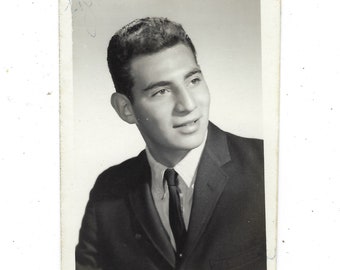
point(146, 213)
point(210, 182)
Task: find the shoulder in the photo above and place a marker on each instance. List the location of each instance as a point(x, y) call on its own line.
point(118, 179)
point(247, 151)
point(249, 145)
point(234, 140)
point(238, 147)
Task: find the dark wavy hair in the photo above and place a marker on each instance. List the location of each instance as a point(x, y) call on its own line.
point(141, 37)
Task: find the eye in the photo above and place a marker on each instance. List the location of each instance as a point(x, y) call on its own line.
point(195, 81)
point(160, 92)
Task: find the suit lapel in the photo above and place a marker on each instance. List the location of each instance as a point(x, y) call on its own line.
point(146, 213)
point(209, 185)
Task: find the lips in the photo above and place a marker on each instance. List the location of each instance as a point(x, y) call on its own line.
point(187, 123)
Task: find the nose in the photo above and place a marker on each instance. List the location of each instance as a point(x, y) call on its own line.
point(185, 102)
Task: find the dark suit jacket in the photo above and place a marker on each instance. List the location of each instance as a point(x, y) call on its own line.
point(121, 228)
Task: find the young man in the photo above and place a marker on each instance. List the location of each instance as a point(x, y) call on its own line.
point(194, 199)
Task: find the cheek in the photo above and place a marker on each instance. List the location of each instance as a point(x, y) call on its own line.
point(203, 99)
point(142, 112)
point(150, 117)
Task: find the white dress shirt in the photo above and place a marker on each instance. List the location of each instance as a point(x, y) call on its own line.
point(186, 169)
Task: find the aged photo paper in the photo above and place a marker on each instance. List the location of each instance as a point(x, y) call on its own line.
point(237, 45)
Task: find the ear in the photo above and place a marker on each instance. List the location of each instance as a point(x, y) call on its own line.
point(123, 107)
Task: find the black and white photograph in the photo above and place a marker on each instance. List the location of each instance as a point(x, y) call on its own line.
point(171, 134)
point(164, 139)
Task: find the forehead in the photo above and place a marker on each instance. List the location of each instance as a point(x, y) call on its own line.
point(166, 65)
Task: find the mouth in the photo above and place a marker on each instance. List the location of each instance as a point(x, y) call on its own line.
point(187, 124)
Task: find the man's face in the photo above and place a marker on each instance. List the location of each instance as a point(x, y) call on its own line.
point(171, 100)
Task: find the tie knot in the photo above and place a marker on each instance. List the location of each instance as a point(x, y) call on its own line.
point(170, 176)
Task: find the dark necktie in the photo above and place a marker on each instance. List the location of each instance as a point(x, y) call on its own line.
point(175, 210)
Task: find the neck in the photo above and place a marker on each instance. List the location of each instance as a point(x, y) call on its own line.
point(168, 158)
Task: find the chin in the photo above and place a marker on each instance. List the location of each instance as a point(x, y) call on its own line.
point(191, 143)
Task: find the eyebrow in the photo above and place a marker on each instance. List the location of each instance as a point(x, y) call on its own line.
point(193, 72)
point(166, 83)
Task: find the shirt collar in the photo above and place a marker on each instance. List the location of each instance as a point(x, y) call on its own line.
point(186, 168)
